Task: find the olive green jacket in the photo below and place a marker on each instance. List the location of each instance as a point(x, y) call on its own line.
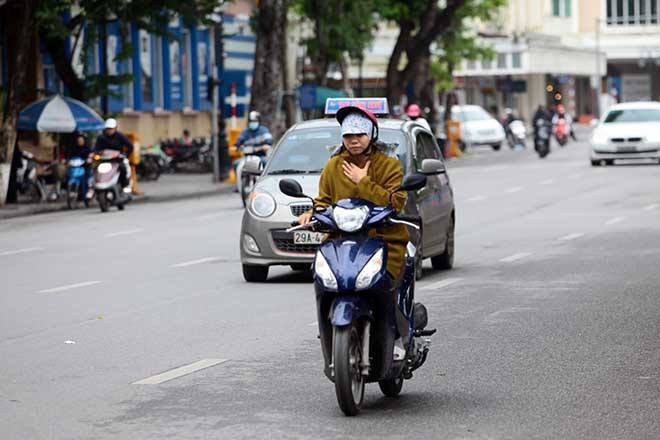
point(383, 177)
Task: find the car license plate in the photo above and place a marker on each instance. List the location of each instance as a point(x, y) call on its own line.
point(627, 149)
point(307, 237)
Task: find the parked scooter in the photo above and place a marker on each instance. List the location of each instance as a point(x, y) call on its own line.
point(153, 162)
point(108, 188)
point(196, 157)
point(516, 134)
point(30, 185)
point(370, 329)
point(542, 137)
point(76, 182)
point(561, 130)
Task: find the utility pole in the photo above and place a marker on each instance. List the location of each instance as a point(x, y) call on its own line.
point(598, 83)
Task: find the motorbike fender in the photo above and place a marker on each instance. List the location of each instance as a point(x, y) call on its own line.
point(346, 310)
point(101, 185)
point(347, 257)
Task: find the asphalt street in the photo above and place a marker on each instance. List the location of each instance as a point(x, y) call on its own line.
point(138, 324)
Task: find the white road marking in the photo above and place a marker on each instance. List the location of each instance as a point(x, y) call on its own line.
point(312, 324)
point(546, 182)
point(651, 207)
point(515, 189)
point(570, 237)
point(193, 262)
point(19, 251)
point(476, 199)
point(178, 372)
point(69, 287)
point(614, 220)
point(127, 232)
point(440, 284)
point(574, 176)
point(494, 168)
point(515, 257)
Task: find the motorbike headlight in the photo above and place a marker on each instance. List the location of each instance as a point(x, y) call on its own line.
point(370, 270)
point(599, 138)
point(262, 204)
point(350, 220)
point(104, 167)
point(323, 271)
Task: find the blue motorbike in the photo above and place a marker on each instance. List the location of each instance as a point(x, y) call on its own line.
point(76, 182)
point(370, 328)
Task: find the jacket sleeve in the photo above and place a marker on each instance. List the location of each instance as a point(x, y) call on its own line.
point(325, 199)
point(127, 143)
point(379, 193)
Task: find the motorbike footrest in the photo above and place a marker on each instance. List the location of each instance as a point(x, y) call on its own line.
point(428, 332)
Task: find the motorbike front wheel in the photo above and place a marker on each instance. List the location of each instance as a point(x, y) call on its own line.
point(103, 201)
point(349, 382)
point(71, 196)
point(247, 183)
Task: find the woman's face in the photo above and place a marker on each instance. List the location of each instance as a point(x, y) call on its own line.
point(356, 143)
point(80, 141)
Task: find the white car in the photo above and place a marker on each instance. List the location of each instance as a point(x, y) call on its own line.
point(478, 127)
point(627, 131)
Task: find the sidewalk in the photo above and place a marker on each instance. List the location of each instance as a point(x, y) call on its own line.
point(168, 188)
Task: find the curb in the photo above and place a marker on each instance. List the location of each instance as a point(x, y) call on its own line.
point(47, 208)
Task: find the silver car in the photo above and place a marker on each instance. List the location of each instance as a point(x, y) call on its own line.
point(627, 131)
point(301, 154)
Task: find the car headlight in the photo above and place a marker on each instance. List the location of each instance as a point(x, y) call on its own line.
point(350, 220)
point(323, 271)
point(370, 270)
point(104, 167)
point(599, 139)
point(262, 204)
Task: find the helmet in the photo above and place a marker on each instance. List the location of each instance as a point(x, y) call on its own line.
point(345, 111)
point(508, 111)
point(254, 116)
point(414, 111)
point(397, 111)
point(110, 123)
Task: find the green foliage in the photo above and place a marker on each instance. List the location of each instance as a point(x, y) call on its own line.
point(58, 20)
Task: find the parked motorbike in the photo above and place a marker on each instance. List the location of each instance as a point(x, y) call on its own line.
point(516, 134)
point(76, 182)
point(107, 185)
point(561, 132)
point(153, 161)
point(542, 137)
point(195, 157)
point(30, 185)
point(370, 329)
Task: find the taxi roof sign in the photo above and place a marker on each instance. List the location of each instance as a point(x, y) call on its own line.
point(378, 106)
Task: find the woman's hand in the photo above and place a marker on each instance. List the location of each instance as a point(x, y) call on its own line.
point(305, 218)
point(354, 172)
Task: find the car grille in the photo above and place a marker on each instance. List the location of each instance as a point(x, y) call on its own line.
point(284, 243)
point(297, 210)
point(622, 140)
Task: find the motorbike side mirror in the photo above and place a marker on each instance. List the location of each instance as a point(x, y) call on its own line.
point(433, 167)
point(413, 182)
point(252, 165)
point(292, 188)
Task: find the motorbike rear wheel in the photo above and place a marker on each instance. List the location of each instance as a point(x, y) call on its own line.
point(391, 387)
point(71, 196)
point(349, 382)
point(103, 201)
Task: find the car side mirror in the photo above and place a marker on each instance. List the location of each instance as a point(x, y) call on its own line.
point(252, 165)
point(433, 167)
point(413, 182)
point(292, 188)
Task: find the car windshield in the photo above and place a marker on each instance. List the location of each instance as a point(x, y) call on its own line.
point(474, 115)
point(633, 115)
point(306, 151)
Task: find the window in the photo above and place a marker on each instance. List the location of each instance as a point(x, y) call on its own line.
point(631, 12)
point(633, 115)
point(501, 61)
point(487, 63)
point(516, 60)
point(561, 8)
point(471, 65)
point(425, 148)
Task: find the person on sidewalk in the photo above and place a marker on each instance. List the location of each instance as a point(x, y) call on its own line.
point(112, 139)
point(80, 149)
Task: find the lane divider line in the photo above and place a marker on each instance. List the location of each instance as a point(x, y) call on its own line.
point(476, 199)
point(651, 207)
point(515, 257)
point(70, 287)
point(614, 221)
point(570, 237)
point(20, 251)
point(515, 189)
point(194, 262)
point(547, 182)
point(440, 284)
point(127, 232)
point(181, 371)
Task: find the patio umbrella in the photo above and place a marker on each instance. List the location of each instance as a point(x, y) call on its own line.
point(59, 114)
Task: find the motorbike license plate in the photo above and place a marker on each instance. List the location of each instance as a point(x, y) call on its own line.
point(307, 237)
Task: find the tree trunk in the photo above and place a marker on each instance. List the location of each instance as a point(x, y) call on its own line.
point(268, 77)
point(21, 25)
